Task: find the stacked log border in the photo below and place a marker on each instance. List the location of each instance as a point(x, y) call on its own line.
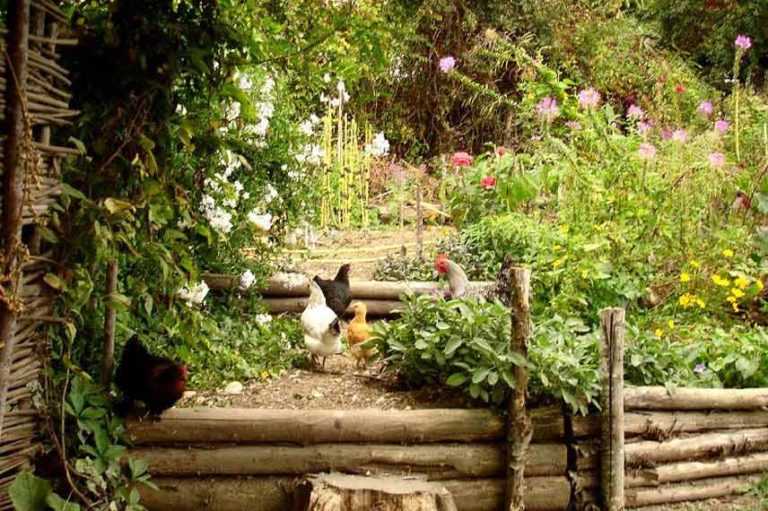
point(288, 293)
point(43, 90)
point(252, 458)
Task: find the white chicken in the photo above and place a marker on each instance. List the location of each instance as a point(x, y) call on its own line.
point(322, 328)
point(459, 285)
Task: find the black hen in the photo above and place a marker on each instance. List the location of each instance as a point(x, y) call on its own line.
point(156, 381)
point(336, 291)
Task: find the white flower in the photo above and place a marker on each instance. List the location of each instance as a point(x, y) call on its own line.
point(244, 82)
point(261, 221)
point(220, 219)
point(259, 129)
point(238, 187)
point(246, 195)
point(341, 87)
point(327, 78)
point(230, 202)
point(270, 195)
point(379, 146)
point(232, 111)
point(181, 110)
point(262, 319)
point(247, 278)
point(268, 85)
point(266, 109)
point(312, 154)
point(314, 119)
point(194, 295)
point(307, 128)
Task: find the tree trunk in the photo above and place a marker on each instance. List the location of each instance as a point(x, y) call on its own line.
point(14, 173)
point(658, 398)
point(438, 461)
point(338, 492)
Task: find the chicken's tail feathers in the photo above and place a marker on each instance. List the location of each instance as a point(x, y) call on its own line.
point(335, 326)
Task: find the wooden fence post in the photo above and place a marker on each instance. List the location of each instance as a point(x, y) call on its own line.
point(419, 224)
point(15, 161)
point(519, 426)
point(108, 356)
point(612, 402)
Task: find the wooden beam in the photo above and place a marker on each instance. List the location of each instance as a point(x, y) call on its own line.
point(659, 398)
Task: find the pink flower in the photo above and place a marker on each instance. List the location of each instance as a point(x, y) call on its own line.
point(646, 151)
point(666, 133)
point(679, 88)
point(547, 109)
point(643, 127)
point(680, 135)
point(461, 159)
point(589, 99)
point(501, 151)
point(635, 112)
point(721, 126)
point(573, 125)
point(717, 160)
point(743, 42)
point(705, 108)
point(447, 64)
point(488, 182)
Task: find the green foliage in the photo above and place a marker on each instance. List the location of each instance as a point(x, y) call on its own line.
point(460, 343)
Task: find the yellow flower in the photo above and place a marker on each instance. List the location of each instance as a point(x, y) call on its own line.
point(695, 264)
point(720, 281)
point(559, 262)
point(564, 228)
point(659, 332)
point(741, 283)
point(264, 375)
point(731, 299)
point(728, 252)
point(759, 284)
point(557, 247)
point(684, 277)
point(700, 303)
point(735, 307)
point(671, 324)
point(584, 274)
point(738, 293)
point(685, 300)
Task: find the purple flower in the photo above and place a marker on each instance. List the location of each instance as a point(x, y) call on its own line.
point(743, 42)
point(646, 151)
point(705, 108)
point(635, 112)
point(721, 126)
point(680, 135)
point(643, 127)
point(666, 133)
point(700, 368)
point(547, 109)
point(589, 99)
point(717, 160)
point(573, 125)
point(447, 64)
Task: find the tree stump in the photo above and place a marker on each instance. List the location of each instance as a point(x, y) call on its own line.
point(340, 492)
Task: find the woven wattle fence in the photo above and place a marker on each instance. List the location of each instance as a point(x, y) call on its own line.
point(35, 98)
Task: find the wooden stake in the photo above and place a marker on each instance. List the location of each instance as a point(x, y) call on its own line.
point(519, 430)
point(13, 183)
point(612, 402)
point(108, 356)
point(419, 224)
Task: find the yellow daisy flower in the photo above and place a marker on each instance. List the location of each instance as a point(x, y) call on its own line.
point(684, 277)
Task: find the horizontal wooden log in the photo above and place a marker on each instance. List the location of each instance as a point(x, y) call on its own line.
point(697, 490)
point(295, 305)
point(285, 285)
point(664, 424)
point(180, 426)
point(658, 398)
point(692, 470)
point(437, 461)
point(278, 493)
point(695, 447)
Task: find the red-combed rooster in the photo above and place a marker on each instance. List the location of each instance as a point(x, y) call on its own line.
point(458, 283)
point(158, 382)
